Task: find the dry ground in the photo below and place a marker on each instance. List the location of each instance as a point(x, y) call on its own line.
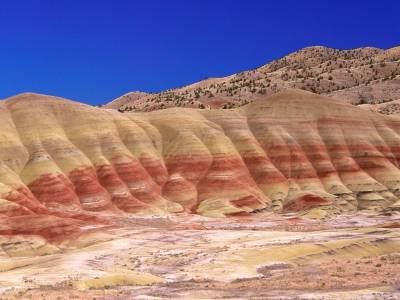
point(190, 257)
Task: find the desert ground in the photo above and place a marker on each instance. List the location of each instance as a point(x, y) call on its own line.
point(181, 256)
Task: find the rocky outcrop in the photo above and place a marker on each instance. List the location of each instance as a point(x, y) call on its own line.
point(71, 164)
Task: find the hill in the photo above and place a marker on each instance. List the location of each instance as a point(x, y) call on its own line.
point(358, 76)
point(77, 161)
point(255, 201)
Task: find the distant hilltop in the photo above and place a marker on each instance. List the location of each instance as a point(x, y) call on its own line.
point(358, 76)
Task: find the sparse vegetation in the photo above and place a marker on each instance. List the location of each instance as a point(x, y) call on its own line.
point(316, 69)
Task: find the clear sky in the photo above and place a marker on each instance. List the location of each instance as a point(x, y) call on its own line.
point(94, 51)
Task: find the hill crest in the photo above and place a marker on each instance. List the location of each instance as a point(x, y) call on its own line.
point(358, 76)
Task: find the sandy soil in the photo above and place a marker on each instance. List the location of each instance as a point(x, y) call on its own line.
point(263, 256)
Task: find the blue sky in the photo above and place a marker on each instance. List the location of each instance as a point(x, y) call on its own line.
point(95, 51)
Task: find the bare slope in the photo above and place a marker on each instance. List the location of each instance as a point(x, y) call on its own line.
point(363, 75)
point(308, 187)
point(386, 108)
point(67, 163)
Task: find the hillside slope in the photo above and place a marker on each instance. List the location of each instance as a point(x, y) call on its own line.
point(69, 163)
point(357, 76)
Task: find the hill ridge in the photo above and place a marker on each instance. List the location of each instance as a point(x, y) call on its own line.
point(358, 76)
point(77, 162)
